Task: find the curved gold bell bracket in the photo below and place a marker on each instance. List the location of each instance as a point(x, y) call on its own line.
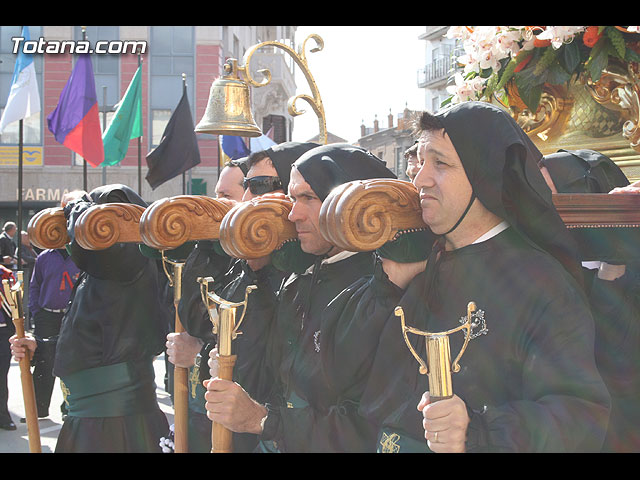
point(228, 110)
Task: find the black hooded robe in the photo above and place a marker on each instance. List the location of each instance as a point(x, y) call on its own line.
point(309, 412)
point(615, 304)
point(114, 327)
point(313, 416)
point(231, 278)
point(528, 375)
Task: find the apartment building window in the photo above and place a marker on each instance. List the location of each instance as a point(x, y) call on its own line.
point(173, 54)
point(32, 126)
point(435, 103)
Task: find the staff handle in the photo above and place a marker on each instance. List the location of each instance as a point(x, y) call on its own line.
point(221, 437)
point(26, 378)
point(180, 375)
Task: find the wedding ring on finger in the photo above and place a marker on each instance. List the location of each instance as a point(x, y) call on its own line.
point(435, 439)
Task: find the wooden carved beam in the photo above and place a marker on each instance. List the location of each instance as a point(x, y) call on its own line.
point(357, 216)
point(604, 226)
point(256, 228)
point(102, 226)
point(598, 210)
point(168, 223)
point(48, 229)
point(365, 214)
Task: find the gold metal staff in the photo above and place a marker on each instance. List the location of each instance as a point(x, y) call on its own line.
point(438, 365)
point(228, 110)
point(226, 328)
point(180, 374)
point(14, 298)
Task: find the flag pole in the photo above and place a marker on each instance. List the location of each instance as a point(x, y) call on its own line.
point(140, 144)
point(19, 232)
point(184, 174)
point(20, 163)
point(104, 128)
point(84, 162)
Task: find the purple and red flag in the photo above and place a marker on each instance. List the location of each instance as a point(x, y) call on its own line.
point(75, 123)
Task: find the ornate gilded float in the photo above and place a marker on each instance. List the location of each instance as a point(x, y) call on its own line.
point(567, 87)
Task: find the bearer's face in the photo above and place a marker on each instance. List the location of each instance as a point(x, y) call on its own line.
point(412, 166)
point(443, 184)
point(305, 214)
point(230, 184)
point(264, 168)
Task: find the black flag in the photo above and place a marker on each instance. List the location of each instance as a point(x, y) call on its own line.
point(178, 149)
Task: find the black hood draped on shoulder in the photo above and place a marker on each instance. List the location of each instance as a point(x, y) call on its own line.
point(100, 262)
point(583, 171)
point(501, 163)
point(328, 166)
point(116, 193)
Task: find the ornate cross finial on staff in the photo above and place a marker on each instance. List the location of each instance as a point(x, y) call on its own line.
point(225, 326)
point(438, 365)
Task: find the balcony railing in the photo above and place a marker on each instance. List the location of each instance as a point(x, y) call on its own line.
point(439, 70)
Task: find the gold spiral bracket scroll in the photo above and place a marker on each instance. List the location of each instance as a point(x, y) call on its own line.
point(438, 365)
point(618, 90)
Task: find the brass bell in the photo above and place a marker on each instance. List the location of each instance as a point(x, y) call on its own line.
point(229, 109)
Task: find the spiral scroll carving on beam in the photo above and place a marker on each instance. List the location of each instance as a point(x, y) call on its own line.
point(102, 226)
point(365, 214)
point(256, 228)
point(171, 222)
point(48, 229)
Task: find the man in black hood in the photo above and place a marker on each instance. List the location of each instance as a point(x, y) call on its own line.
point(528, 380)
point(264, 172)
point(304, 413)
point(613, 285)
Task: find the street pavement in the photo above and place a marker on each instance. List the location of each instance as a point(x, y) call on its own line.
point(17, 441)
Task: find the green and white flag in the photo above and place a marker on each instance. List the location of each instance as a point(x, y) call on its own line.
point(126, 123)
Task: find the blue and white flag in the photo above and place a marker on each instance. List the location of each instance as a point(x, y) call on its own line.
point(24, 99)
point(234, 147)
point(262, 142)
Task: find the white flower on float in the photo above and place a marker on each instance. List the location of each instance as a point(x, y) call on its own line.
point(560, 35)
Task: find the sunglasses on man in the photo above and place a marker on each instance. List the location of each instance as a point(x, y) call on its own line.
point(262, 184)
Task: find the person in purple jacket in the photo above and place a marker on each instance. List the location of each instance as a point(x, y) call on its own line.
point(54, 275)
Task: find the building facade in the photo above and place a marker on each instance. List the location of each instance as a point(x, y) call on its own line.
point(169, 53)
point(439, 64)
point(390, 143)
